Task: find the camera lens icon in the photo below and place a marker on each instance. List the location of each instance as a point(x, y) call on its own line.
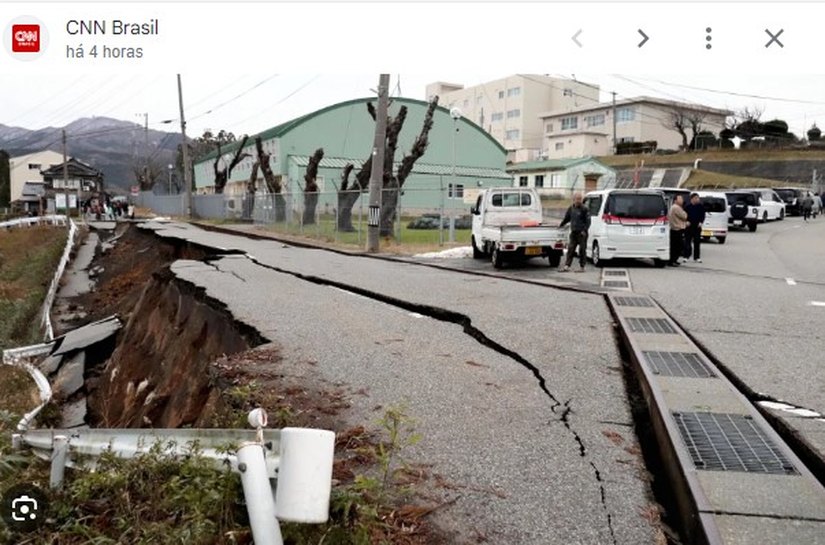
point(23, 508)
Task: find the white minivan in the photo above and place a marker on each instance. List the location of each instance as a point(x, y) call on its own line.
point(627, 223)
point(716, 215)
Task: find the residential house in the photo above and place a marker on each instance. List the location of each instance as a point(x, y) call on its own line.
point(27, 184)
point(561, 177)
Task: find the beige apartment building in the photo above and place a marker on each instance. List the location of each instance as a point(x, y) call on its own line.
point(510, 108)
point(588, 130)
point(27, 184)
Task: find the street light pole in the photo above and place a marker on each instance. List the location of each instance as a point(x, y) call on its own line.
point(170, 167)
point(455, 113)
point(377, 172)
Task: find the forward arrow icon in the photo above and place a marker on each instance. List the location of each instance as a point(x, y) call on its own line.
point(646, 38)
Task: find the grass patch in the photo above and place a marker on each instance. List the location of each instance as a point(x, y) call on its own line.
point(18, 392)
point(703, 179)
point(750, 155)
point(28, 259)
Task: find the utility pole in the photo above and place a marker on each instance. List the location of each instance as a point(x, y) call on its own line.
point(187, 175)
point(65, 177)
point(377, 172)
point(615, 145)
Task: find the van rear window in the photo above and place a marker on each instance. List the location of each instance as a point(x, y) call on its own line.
point(746, 198)
point(635, 206)
point(714, 204)
point(512, 199)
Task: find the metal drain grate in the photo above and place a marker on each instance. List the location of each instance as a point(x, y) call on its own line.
point(678, 364)
point(615, 284)
point(650, 325)
point(615, 273)
point(730, 442)
point(633, 302)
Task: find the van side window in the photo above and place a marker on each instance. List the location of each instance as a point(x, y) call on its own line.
point(593, 205)
point(526, 199)
point(496, 199)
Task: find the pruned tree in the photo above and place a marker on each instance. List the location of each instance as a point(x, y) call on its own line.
point(146, 175)
point(272, 182)
point(252, 185)
point(311, 187)
point(347, 196)
point(223, 174)
point(747, 123)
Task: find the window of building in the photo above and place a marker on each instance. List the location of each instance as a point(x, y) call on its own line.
point(594, 120)
point(514, 92)
point(539, 180)
point(548, 128)
point(497, 116)
point(512, 134)
point(559, 146)
point(455, 191)
point(501, 94)
point(522, 181)
point(513, 113)
point(555, 180)
point(568, 92)
point(569, 123)
point(624, 115)
point(34, 166)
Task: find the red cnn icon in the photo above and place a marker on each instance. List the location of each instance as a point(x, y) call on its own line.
point(25, 38)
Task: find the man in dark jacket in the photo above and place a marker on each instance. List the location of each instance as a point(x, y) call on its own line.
point(693, 235)
point(579, 219)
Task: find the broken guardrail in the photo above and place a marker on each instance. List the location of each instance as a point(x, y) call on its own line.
point(286, 474)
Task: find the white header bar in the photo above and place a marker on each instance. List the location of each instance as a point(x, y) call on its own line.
point(457, 37)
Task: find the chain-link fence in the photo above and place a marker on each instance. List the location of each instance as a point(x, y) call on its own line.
point(428, 216)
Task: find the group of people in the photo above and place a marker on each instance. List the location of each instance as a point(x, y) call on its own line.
point(686, 229)
point(811, 202)
point(108, 210)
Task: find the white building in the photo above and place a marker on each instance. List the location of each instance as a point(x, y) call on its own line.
point(27, 182)
point(561, 177)
point(509, 108)
point(588, 130)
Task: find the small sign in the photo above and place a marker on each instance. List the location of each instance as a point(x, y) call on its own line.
point(373, 220)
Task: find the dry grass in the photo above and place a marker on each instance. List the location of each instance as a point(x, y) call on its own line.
point(713, 155)
point(703, 179)
point(18, 392)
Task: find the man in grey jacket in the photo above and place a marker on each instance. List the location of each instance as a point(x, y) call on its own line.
point(579, 219)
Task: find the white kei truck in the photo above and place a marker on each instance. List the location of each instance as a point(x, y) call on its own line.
point(508, 226)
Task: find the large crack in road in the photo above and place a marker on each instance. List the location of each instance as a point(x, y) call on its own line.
point(466, 323)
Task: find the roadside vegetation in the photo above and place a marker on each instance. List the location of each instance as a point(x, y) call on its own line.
point(703, 179)
point(687, 158)
point(28, 259)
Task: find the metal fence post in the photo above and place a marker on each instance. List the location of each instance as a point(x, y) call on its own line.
point(260, 503)
point(61, 448)
point(360, 214)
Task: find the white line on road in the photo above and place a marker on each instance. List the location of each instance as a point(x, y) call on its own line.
point(790, 281)
point(817, 303)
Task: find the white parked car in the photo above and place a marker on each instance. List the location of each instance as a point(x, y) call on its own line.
point(771, 206)
point(716, 215)
point(627, 223)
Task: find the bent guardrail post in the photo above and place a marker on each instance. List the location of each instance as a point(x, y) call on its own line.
point(258, 494)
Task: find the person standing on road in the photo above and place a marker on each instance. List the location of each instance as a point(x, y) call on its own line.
point(693, 233)
point(807, 206)
point(677, 218)
point(579, 219)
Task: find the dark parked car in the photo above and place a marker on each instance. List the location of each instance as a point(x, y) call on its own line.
point(430, 221)
point(743, 207)
point(793, 199)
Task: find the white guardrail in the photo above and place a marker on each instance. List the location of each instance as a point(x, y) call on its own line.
point(297, 460)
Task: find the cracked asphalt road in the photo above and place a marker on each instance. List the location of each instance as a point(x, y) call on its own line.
point(531, 466)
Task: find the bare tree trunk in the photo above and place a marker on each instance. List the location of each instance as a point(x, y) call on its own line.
point(222, 175)
point(273, 184)
point(251, 189)
point(347, 197)
point(389, 207)
point(311, 187)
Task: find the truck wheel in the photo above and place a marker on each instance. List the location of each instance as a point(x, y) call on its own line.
point(721, 240)
point(477, 254)
point(554, 258)
point(752, 227)
point(496, 258)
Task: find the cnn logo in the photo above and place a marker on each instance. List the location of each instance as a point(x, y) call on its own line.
point(25, 38)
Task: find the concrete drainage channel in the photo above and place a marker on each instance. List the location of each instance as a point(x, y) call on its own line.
point(733, 479)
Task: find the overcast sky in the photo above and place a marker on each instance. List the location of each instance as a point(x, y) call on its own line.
point(252, 103)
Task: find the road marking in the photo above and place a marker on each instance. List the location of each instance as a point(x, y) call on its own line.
point(416, 315)
point(817, 303)
point(790, 281)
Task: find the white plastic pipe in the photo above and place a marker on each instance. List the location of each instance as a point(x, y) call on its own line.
point(258, 494)
point(304, 475)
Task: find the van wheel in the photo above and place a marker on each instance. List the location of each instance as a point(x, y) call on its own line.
point(495, 257)
point(721, 240)
point(595, 256)
point(659, 263)
point(765, 216)
point(554, 258)
point(477, 254)
point(752, 227)
point(781, 215)
point(705, 239)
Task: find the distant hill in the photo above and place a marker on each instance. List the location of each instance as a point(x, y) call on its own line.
point(111, 145)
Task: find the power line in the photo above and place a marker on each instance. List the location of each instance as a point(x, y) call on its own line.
point(737, 94)
point(236, 97)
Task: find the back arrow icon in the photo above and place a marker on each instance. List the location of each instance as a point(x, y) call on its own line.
point(576, 35)
point(643, 42)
